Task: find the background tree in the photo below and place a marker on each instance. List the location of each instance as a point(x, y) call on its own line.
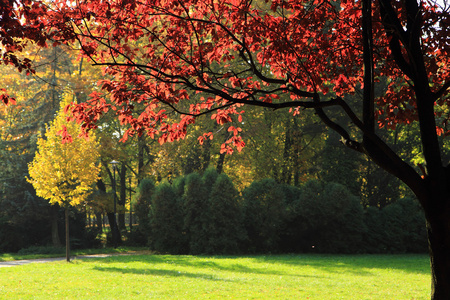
point(197, 214)
point(264, 215)
point(226, 230)
point(166, 221)
point(64, 171)
point(143, 204)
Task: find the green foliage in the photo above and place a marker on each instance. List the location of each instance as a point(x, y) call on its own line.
point(209, 178)
point(24, 221)
point(41, 250)
point(374, 239)
point(397, 228)
point(340, 164)
point(325, 218)
point(197, 213)
point(210, 217)
point(226, 231)
point(178, 185)
point(166, 221)
point(345, 224)
point(143, 202)
point(264, 215)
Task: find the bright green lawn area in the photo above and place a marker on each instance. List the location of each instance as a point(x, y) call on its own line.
point(199, 277)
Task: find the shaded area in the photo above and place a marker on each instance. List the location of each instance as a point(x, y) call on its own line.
point(358, 265)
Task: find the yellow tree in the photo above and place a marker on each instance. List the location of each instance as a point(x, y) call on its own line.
point(65, 169)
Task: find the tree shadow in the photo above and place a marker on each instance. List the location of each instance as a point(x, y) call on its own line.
point(155, 262)
point(356, 264)
point(160, 272)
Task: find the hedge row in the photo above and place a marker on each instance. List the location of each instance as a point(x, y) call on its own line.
point(207, 215)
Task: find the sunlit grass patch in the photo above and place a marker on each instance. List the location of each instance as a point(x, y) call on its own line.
point(198, 277)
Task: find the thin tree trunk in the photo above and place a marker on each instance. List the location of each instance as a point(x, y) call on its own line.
point(122, 197)
point(56, 242)
point(114, 229)
point(67, 234)
point(99, 221)
point(141, 146)
point(220, 163)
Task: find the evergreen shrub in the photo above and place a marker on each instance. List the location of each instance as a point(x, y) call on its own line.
point(196, 214)
point(166, 221)
point(143, 203)
point(205, 214)
point(264, 215)
point(226, 231)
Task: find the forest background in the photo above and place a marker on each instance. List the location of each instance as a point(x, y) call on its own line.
point(291, 151)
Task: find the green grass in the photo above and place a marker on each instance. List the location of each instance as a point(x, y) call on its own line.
point(196, 277)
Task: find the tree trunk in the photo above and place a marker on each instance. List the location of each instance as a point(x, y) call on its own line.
point(438, 229)
point(141, 146)
point(99, 221)
point(66, 209)
point(122, 197)
point(56, 242)
point(114, 229)
point(220, 163)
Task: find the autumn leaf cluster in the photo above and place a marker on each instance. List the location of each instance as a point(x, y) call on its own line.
point(64, 171)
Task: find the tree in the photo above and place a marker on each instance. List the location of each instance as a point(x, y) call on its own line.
point(196, 214)
point(264, 214)
point(226, 231)
point(63, 172)
point(166, 221)
point(143, 204)
point(315, 51)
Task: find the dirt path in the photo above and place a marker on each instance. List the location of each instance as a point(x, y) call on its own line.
point(14, 263)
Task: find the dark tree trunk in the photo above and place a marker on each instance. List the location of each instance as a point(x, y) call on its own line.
point(122, 197)
point(141, 146)
point(99, 221)
point(439, 245)
point(56, 242)
point(220, 163)
point(115, 233)
point(438, 228)
point(286, 174)
point(206, 154)
point(66, 209)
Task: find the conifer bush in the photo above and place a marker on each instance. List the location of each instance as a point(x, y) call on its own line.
point(196, 214)
point(205, 214)
point(226, 231)
point(344, 228)
point(166, 221)
point(143, 203)
point(264, 215)
point(375, 240)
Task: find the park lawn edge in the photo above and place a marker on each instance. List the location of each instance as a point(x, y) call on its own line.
point(4, 257)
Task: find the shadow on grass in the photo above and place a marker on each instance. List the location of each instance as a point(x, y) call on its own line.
point(358, 264)
point(160, 272)
point(154, 265)
point(361, 265)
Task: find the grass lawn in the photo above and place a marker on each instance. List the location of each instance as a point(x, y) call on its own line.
point(200, 277)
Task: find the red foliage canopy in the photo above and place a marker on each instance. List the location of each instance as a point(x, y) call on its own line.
point(195, 57)
point(21, 22)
